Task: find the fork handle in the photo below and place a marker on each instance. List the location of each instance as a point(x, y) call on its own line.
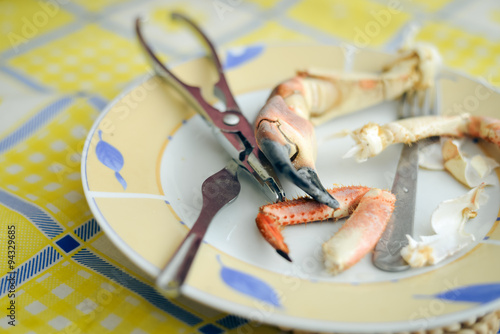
point(387, 254)
point(218, 190)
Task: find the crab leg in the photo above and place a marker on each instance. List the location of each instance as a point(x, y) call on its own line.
point(320, 95)
point(288, 140)
point(358, 236)
point(361, 232)
point(372, 138)
point(285, 126)
point(487, 128)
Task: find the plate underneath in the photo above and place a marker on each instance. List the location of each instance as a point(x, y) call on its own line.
point(148, 194)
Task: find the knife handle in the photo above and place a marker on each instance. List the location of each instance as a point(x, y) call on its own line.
point(218, 190)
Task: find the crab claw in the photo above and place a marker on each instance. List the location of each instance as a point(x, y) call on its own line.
point(288, 141)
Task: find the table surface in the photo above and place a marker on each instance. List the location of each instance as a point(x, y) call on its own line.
point(62, 61)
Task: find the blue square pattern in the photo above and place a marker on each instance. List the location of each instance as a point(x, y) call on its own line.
point(210, 329)
point(67, 243)
point(232, 321)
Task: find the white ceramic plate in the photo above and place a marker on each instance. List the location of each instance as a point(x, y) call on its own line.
point(147, 155)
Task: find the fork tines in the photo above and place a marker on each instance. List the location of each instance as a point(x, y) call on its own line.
point(416, 103)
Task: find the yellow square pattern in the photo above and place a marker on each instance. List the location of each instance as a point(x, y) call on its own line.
point(266, 4)
point(26, 234)
point(363, 22)
point(270, 33)
point(426, 5)
point(23, 21)
point(76, 300)
point(495, 16)
point(464, 51)
point(45, 168)
point(91, 59)
point(97, 5)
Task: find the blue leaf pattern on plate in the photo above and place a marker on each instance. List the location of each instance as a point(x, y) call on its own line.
point(248, 285)
point(480, 293)
point(236, 57)
point(110, 157)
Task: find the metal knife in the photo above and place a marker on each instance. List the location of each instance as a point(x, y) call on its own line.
point(387, 252)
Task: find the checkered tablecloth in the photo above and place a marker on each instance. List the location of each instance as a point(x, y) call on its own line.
point(62, 61)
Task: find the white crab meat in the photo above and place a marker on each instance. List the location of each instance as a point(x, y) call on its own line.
point(448, 222)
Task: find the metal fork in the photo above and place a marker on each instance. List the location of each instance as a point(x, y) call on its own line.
point(387, 252)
